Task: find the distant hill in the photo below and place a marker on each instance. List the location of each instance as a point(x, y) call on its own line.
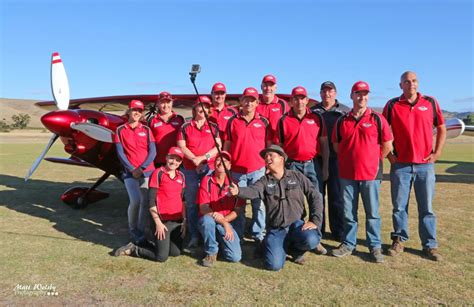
point(9, 107)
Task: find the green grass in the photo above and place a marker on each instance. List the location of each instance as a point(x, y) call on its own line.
point(46, 242)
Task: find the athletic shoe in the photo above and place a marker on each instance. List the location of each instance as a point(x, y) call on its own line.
point(125, 250)
point(341, 251)
point(299, 259)
point(377, 255)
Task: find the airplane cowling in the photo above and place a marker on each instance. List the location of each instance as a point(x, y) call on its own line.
point(59, 122)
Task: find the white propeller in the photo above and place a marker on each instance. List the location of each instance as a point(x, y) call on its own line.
point(60, 89)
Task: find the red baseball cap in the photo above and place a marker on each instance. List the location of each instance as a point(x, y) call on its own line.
point(250, 92)
point(299, 91)
point(203, 99)
point(176, 151)
point(165, 96)
point(225, 154)
point(219, 87)
point(269, 78)
point(136, 104)
point(360, 86)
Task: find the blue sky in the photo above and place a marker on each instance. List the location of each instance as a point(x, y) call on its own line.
point(144, 47)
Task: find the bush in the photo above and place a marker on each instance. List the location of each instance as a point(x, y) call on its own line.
point(20, 121)
point(4, 127)
point(469, 120)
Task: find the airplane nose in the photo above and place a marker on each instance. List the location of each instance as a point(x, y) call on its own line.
point(59, 122)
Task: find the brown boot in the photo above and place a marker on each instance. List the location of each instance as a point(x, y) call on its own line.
point(209, 260)
point(432, 254)
point(396, 248)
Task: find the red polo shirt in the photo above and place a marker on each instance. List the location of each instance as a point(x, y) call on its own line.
point(359, 149)
point(247, 140)
point(412, 126)
point(198, 141)
point(273, 111)
point(169, 194)
point(135, 143)
point(165, 134)
point(210, 192)
point(300, 137)
point(222, 117)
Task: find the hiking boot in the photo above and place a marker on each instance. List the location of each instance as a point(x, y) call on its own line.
point(341, 251)
point(396, 248)
point(125, 250)
point(320, 250)
point(376, 254)
point(432, 254)
point(209, 260)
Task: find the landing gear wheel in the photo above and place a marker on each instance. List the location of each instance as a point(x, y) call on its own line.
point(79, 203)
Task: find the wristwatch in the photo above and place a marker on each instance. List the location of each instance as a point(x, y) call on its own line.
point(208, 156)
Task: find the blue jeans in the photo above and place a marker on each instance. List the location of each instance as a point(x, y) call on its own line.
point(193, 180)
point(138, 211)
point(369, 191)
point(422, 177)
point(292, 240)
point(306, 168)
point(258, 208)
point(213, 234)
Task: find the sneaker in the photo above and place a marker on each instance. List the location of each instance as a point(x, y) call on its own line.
point(432, 254)
point(209, 260)
point(396, 248)
point(320, 250)
point(125, 250)
point(341, 251)
point(377, 255)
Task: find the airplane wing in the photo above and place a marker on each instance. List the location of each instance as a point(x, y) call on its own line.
point(120, 103)
point(71, 161)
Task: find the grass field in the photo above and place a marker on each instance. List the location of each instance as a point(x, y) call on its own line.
point(46, 243)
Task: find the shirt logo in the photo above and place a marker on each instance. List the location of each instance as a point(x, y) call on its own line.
point(179, 181)
point(275, 109)
point(366, 125)
point(422, 108)
point(174, 123)
point(291, 182)
point(271, 185)
point(257, 125)
point(208, 130)
point(158, 124)
point(226, 117)
point(141, 133)
point(310, 122)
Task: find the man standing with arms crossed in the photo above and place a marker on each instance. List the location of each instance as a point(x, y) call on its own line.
point(362, 138)
point(330, 109)
point(412, 117)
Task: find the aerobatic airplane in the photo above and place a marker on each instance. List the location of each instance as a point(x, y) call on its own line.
point(86, 127)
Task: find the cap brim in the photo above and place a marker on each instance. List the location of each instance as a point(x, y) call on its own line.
point(263, 152)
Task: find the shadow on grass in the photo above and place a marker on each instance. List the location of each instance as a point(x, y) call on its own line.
point(103, 223)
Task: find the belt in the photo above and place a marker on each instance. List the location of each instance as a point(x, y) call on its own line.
point(298, 161)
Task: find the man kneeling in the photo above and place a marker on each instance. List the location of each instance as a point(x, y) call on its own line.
point(218, 209)
point(283, 192)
